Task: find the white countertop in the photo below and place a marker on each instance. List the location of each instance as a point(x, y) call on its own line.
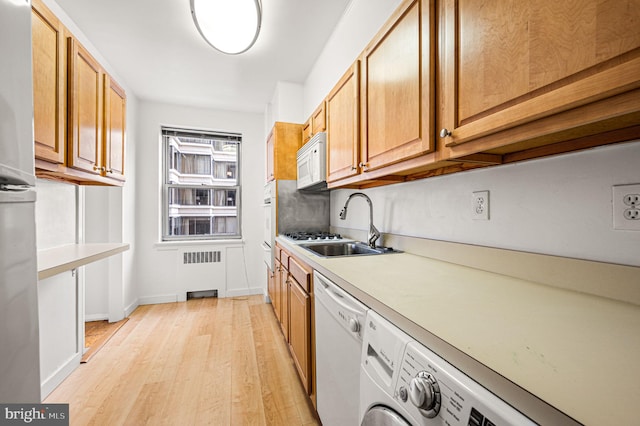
point(65, 258)
point(575, 351)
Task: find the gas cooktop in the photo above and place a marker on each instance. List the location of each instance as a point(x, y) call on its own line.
point(312, 236)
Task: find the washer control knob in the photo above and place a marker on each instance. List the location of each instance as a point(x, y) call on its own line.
point(354, 325)
point(424, 393)
point(402, 393)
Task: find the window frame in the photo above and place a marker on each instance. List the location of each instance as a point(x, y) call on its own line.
point(167, 153)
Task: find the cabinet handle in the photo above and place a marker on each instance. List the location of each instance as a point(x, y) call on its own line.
point(363, 165)
point(354, 168)
point(445, 133)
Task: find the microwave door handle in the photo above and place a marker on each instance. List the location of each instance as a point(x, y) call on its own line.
point(316, 166)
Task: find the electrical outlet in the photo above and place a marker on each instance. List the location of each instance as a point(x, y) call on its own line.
point(480, 205)
point(626, 207)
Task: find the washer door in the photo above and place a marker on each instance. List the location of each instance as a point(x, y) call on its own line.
point(383, 416)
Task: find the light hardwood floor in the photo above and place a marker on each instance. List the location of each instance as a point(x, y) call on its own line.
point(205, 361)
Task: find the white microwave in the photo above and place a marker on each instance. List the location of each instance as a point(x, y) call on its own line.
point(312, 163)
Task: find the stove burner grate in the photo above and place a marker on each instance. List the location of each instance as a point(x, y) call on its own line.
point(312, 236)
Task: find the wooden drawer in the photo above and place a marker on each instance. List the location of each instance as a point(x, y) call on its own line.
point(284, 259)
point(301, 273)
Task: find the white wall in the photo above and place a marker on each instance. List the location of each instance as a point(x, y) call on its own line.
point(360, 22)
point(157, 263)
point(108, 216)
point(55, 214)
point(286, 105)
point(559, 205)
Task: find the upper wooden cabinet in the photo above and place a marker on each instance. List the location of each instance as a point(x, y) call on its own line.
point(86, 88)
point(393, 87)
point(79, 111)
point(343, 126)
point(397, 102)
point(497, 83)
point(514, 77)
point(282, 146)
point(49, 84)
point(115, 111)
point(306, 131)
point(314, 124)
point(318, 120)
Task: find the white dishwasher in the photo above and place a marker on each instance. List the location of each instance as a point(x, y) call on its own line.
point(339, 327)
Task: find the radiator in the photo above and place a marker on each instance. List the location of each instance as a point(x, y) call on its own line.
point(201, 271)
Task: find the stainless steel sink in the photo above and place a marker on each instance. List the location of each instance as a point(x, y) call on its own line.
point(345, 249)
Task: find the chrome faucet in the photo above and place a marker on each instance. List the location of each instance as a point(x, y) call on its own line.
point(374, 234)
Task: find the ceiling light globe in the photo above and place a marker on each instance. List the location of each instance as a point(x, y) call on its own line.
point(230, 26)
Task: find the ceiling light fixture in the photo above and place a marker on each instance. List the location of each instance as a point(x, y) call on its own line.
point(230, 26)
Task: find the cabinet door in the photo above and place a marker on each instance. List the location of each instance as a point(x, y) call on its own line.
point(271, 282)
point(318, 120)
point(284, 302)
point(300, 334)
point(397, 99)
point(546, 67)
point(275, 299)
point(115, 102)
point(49, 84)
point(85, 109)
point(306, 131)
point(343, 135)
point(282, 146)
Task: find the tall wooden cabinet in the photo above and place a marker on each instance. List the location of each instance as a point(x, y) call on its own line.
point(49, 84)
point(516, 76)
point(282, 146)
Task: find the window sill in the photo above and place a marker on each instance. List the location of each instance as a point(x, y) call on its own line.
point(175, 245)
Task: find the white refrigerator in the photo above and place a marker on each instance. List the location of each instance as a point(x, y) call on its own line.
point(19, 340)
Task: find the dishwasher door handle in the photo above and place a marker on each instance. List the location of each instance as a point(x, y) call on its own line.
point(337, 298)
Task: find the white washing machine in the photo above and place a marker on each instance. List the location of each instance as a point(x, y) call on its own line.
point(403, 383)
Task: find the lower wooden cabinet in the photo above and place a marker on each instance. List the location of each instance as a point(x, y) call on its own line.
point(291, 292)
point(271, 284)
point(284, 301)
point(299, 330)
point(276, 296)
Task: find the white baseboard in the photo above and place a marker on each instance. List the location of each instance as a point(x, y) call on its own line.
point(154, 300)
point(96, 317)
point(52, 382)
point(170, 298)
point(245, 292)
point(132, 307)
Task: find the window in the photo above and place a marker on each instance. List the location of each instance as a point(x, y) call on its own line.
point(201, 187)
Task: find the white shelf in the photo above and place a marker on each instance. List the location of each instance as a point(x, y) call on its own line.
point(65, 258)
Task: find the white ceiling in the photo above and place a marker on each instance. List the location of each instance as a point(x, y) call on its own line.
point(155, 47)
